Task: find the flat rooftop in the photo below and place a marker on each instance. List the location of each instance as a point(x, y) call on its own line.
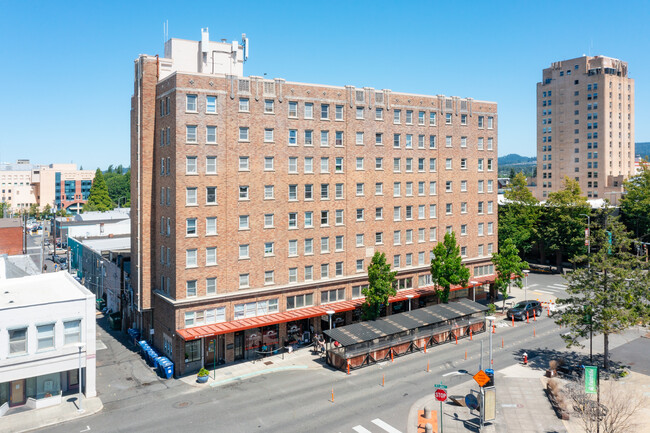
point(40, 289)
point(106, 244)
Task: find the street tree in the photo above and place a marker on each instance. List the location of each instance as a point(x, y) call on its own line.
point(119, 186)
point(34, 211)
point(562, 222)
point(447, 267)
point(635, 203)
point(509, 268)
point(519, 216)
point(98, 199)
point(47, 210)
point(380, 286)
point(610, 293)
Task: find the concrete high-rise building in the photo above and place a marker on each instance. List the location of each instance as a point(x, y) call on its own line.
point(585, 126)
point(62, 186)
point(257, 204)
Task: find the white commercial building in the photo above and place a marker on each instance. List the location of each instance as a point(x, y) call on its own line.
point(47, 330)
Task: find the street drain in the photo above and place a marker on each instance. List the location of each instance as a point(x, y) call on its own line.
point(182, 404)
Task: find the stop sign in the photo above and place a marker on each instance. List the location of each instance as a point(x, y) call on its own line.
point(441, 394)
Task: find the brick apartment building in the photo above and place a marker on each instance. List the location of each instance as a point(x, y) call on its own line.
point(585, 126)
point(257, 204)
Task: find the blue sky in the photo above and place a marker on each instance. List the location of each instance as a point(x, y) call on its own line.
point(67, 69)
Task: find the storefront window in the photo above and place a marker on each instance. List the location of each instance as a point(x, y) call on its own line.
point(298, 330)
point(193, 351)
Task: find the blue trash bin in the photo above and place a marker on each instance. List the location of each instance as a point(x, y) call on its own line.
point(150, 356)
point(157, 362)
point(162, 361)
point(169, 370)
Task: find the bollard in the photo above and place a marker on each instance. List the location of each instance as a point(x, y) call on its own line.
point(456, 337)
point(513, 321)
point(425, 347)
point(428, 428)
point(534, 316)
point(548, 311)
point(427, 366)
point(494, 328)
point(527, 317)
point(470, 335)
point(332, 395)
point(391, 355)
point(348, 366)
point(383, 380)
point(466, 355)
point(427, 412)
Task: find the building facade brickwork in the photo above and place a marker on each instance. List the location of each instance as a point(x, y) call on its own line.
point(269, 196)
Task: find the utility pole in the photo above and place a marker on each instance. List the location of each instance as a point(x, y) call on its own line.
point(43, 250)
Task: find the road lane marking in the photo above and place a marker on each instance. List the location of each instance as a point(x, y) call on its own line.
point(543, 291)
point(360, 429)
point(385, 426)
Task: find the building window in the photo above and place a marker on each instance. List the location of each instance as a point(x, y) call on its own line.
point(190, 258)
point(300, 301)
point(293, 136)
point(190, 197)
point(244, 104)
point(211, 256)
point(359, 138)
point(45, 336)
point(190, 288)
point(379, 114)
point(211, 165)
point(448, 118)
point(269, 106)
point(211, 134)
point(210, 226)
point(309, 273)
point(211, 286)
point(243, 281)
point(339, 112)
point(190, 165)
point(243, 222)
point(71, 332)
point(268, 135)
point(269, 277)
point(211, 104)
point(309, 110)
point(293, 275)
point(190, 228)
point(190, 103)
point(243, 134)
point(293, 109)
point(190, 134)
point(269, 192)
point(211, 195)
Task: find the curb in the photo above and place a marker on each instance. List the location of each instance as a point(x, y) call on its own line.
point(77, 416)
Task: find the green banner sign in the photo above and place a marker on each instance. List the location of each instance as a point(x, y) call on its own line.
point(591, 380)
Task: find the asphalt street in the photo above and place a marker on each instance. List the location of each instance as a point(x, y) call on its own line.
point(299, 401)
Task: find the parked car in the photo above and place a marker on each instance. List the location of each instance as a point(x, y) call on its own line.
point(522, 308)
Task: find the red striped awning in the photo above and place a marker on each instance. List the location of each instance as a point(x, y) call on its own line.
point(204, 331)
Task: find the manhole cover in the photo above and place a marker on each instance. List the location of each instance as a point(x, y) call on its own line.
point(129, 378)
point(182, 404)
point(268, 363)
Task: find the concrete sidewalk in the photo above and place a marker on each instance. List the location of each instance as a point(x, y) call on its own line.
point(301, 359)
point(38, 418)
point(522, 406)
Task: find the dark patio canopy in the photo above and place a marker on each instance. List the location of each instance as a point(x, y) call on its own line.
point(398, 323)
point(369, 342)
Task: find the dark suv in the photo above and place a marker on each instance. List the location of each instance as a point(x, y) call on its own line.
point(521, 308)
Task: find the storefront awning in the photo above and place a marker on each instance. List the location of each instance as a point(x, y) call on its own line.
point(204, 331)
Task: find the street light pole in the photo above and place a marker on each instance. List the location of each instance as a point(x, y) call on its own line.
point(474, 284)
point(330, 313)
point(409, 297)
point(491, 319)
point(80, 346)
point(526, 272)
point(588, 237)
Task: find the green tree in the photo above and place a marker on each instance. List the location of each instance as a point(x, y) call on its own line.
point(610, 294)
point(507, 265)
point(34, 211)
point(512, 173)
point(562, 222)
point(62, 212)
point(47, 210)
point(519, 216)
point(119, 186)
point(447, 267)
point(4, 209)
point(635, 203)
point(380, 286)
point(98, 199)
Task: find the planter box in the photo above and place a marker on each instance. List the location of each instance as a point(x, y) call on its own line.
point(202, 379)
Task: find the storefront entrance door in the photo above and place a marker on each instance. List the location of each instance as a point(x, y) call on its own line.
point(17, 393)
point(239, 345)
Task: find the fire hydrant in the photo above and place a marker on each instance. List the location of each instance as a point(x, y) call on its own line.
point(525, 358)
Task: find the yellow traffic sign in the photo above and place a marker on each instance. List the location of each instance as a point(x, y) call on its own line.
point(481, 378)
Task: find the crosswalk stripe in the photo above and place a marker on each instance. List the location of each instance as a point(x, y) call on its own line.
point(543, 291)
point(559, 286)
point(533, 285)
point(360, 429)
point(385, 426)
